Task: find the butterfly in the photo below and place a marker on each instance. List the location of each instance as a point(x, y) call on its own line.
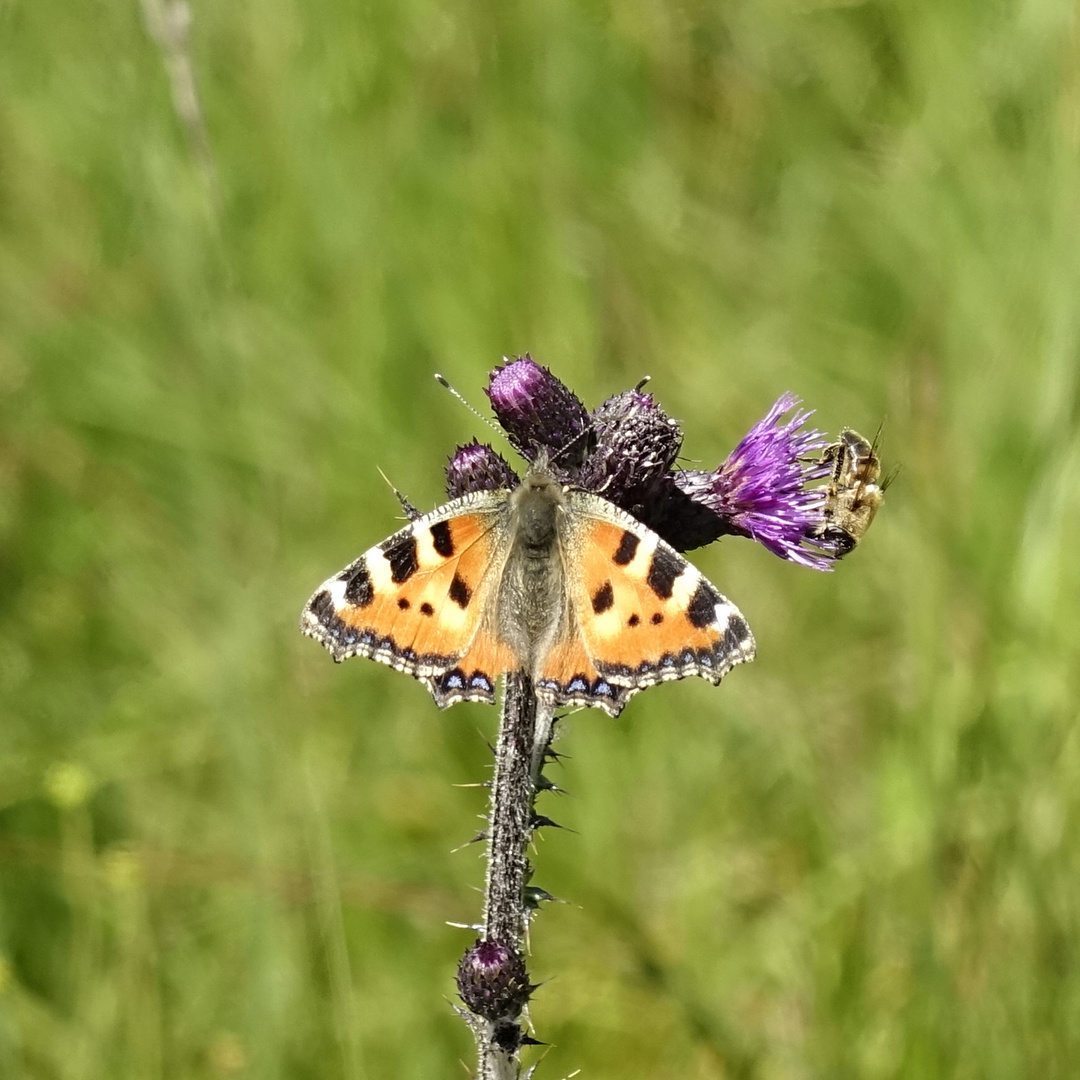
point(854, 493)
point(543, 578)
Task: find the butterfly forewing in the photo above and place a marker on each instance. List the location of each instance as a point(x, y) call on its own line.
point(417, 601)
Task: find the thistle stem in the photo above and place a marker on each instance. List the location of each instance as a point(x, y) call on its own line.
point(525, 730)
point(513, 789)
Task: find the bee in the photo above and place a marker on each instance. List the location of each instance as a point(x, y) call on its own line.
point(854, 493)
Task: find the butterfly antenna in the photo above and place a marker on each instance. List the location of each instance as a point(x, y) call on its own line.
point(410, 511)
point(583, 434)
point(444, 383)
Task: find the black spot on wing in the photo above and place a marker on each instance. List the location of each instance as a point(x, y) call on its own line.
point(460, 592)
point(426, 609)
point(403, 603)
point(402, 557)
point(442, 539)
point(321, 606)
point(358, 591)
point(664, 569)
point(627, 549)
point(736, 634)
point(603, 598)
point(657, 618)
point(328, 628)
point(633, 620)
point(702, 608)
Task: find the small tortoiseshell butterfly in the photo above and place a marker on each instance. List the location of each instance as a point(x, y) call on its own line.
point(544, 578)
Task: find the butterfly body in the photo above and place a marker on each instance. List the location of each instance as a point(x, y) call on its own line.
point(544, 578)
point(531, 608)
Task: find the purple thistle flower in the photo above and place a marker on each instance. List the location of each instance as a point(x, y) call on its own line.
point(538, 412)
point(478, 467)
point(762, 491)
point(492, 980)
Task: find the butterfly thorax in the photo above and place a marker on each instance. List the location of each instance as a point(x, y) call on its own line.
point(534, 507)
point(532, 608)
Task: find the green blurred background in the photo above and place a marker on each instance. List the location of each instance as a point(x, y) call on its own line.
point(222, 856)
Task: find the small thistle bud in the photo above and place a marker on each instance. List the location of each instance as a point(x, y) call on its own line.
point(492, 980)
point(538, 411)
point(478, 467)
point(636, 445)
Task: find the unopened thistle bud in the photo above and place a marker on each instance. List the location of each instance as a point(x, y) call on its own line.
point(636, 445)
point(492, 980)
point(478, 467)
point(539, 412)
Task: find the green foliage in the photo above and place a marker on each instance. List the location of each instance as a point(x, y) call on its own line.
point(221, 856)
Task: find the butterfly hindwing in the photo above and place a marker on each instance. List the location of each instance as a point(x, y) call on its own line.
point(417, 601)
point(643, 613)
point(568, 676)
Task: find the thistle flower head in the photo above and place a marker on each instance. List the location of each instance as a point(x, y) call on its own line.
point(538, 412)
point(636, 445)
point(478, 467)
point(763, 490)
point(492, 980)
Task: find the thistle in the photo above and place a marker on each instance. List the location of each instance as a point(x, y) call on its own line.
point(625, 451)
point(568, 583)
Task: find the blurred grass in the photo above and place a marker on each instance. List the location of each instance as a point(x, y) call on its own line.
point(221, 856)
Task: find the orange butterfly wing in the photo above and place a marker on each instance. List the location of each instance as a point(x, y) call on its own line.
point(642, 614)
point(419, 601)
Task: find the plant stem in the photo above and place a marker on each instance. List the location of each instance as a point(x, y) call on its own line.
point(510, 825)
point(525, 730)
